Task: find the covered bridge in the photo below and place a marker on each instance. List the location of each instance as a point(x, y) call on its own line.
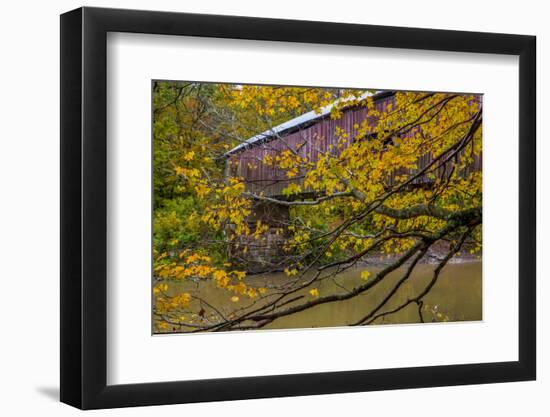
point(310, 135)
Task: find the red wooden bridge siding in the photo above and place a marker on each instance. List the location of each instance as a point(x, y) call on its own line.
point(309, 140)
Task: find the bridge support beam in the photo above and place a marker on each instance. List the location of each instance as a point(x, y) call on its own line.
point(265, 253)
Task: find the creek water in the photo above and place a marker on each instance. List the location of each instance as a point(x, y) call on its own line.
point(457, 296)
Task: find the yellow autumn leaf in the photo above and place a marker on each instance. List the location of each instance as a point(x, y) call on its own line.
point(290, 272)
point(314, 292)
point(365, 275)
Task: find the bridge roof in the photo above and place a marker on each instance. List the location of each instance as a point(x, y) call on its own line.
point(292, 123)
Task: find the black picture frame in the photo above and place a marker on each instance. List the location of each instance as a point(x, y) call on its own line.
point(84, 207)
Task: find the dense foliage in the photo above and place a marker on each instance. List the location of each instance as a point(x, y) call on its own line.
point(202, 215)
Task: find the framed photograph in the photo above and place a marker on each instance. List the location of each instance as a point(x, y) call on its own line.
point(257, 208)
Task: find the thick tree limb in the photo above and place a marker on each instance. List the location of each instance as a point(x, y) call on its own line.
point(298, 202)
point(415, 211)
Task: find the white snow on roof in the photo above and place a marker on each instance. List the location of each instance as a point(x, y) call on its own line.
point(297, 121)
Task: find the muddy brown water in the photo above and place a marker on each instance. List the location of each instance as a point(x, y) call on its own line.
point(457, 296)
